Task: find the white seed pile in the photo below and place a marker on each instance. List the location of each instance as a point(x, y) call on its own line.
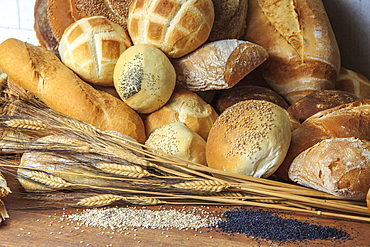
point(124, 218)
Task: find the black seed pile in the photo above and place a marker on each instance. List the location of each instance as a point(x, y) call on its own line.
point(266, 225)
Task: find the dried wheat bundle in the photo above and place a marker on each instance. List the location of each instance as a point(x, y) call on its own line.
point(4, 191)
point(62, 157)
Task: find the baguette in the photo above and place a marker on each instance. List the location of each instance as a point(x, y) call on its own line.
point(40, 72)
point(303, 52)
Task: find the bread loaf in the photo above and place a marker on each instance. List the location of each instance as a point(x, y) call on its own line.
point(230, 19)
point(250, 137)
point(40, 72)
point(144, 78)
point(319, 101)
point(186, 107)
point(339, 166)
point(91, 47)
point(52, 17)
point(353, 82)
point(175, 27)
point(218, 65)
point(176, 139)
point(348, 120)
point(303, 51)
point(248, 92)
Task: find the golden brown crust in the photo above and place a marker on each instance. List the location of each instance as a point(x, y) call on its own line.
point(319, 101)
point(303, 52)
point(353, 82)
point(40, 72)
point(52, 17)
point(339, 166)
point(348, 120)
point(187, 107)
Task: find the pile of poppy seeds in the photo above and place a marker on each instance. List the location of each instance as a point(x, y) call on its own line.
point(258, 224)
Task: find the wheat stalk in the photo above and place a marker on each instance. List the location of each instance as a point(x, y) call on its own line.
point(99, 200)
point(203, 185)
point(48, 180)
point(132, 171)
point(26, 124)
point(143, 200)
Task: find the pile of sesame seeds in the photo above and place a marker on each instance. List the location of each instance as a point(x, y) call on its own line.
point(124, 218)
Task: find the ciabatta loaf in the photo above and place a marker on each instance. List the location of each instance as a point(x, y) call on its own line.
point(218, 65)
point(91, 47)
point(52, 17)
point(40, 72)
point(348, 120)
point(303, 51)
point(339, 166)
point(175, 27)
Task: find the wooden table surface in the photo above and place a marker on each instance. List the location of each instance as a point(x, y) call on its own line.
point(50, 227)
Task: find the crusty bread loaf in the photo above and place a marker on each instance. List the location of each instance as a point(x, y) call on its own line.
point(230, 19)
point(348, 120)
point(144, 78)
point(186, 107)
point(179, 140)
point(303, 51)
point(319, 101)
point(52, 17)
point(175, 27)
point(218, 65)
point(368, 200)
point(339, 166)
point(353, 82)
point(91, 47)
point(250, 137)
point(40, 72)
point(248, 92)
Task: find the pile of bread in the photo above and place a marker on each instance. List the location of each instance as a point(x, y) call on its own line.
point(235, 85)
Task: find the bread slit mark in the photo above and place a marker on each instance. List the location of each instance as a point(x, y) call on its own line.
point(291, 27)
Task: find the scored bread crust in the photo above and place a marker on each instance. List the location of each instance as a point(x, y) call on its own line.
point(353, 82)
point(347, 120)
point(52, 17)
point(303, 51)
point(339, 166)
point(40, 72)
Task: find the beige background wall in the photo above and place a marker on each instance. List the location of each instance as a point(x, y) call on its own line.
point(350, 20)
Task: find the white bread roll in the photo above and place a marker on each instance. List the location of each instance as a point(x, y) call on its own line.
point(179, 140)
point(353, 82)
point(303, 51)
point(175, 27)
point(250, 137)
point(218, 65)
point(339, 166)
point(186, 107)
point(91, 47)
point(144, 78)
point(39, 71)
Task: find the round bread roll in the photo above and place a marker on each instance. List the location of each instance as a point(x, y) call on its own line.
point(91, 47)
point(339, 166)
point(319, 101)
point(246, 92)
point(178, 140)
point(353, 82)
point(144, 78)
point(250, 137)
point(52, 17)
point(175, 27)
point(186, 107)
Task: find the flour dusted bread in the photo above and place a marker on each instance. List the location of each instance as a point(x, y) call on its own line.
point(230, 19)
point(144, 78)
point(250, 137)
point(186, 107)
point(339, 166)
point(347, 120)
point(52, 17)
point(303, 51)
point(353, 82)
point(40, 72)
point(91, 47)
point(176, 139)
point(175, 27)
point(218, 65)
